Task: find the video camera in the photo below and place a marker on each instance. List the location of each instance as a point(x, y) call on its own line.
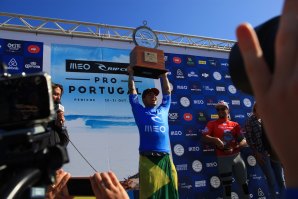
point(266, 33)
point(26, 159)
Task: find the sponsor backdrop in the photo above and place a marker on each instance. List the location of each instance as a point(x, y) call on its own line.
point(101, 124)
point(21, 56)
point(198, 84)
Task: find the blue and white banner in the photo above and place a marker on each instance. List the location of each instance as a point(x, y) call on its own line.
point(97, 109)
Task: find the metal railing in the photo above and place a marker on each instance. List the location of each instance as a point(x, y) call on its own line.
point(42, 25)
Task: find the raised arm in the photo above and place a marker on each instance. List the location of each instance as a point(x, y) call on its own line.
point(165, 84)
point(131, 82)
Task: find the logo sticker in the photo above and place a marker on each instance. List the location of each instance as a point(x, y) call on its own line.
point(251, 160)
point(34, 49)
point(178, 149)
point(187, 116)
point(232, 89)
point(217, 76)
point(247, 102)
point(197, 166)
point(177, 60)
point(184, 101)
point(215, 182)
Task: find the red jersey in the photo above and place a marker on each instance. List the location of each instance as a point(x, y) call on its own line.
point(228, 131)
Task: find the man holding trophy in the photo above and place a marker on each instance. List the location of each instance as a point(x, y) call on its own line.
point(227, 137)
point(158, 176)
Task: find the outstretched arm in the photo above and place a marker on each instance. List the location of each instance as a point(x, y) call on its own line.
point(165, 84)
point(131, 82)
point(277, 93)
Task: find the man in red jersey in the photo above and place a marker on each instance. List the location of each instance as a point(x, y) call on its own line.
point(227, 137)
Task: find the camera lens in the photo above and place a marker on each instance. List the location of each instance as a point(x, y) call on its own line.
point(266, 33)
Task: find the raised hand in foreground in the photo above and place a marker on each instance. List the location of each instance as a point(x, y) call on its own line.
point(277, 93)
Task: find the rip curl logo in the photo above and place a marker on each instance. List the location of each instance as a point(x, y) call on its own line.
point(164, 101)
point(102, 67)
point(155, 118)
point(110, 68)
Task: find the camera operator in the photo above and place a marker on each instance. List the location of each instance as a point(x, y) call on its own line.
point(59, 135)
point(29, 157)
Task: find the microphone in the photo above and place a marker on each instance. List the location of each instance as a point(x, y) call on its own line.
point(59, 108)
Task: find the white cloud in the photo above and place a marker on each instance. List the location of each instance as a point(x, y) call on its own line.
point(78, 123)
point(121, 58)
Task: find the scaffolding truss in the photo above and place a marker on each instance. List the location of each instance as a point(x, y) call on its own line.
point(51, 26)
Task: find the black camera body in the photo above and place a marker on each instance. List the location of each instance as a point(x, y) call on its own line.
point(266, 33)
point(26, 159)
point(25, 100)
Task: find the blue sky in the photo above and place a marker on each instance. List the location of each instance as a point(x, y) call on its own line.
point(209, 18)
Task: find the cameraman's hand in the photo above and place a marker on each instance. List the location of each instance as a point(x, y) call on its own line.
point(277, 94)
point(106, 186)
point(59, 189)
